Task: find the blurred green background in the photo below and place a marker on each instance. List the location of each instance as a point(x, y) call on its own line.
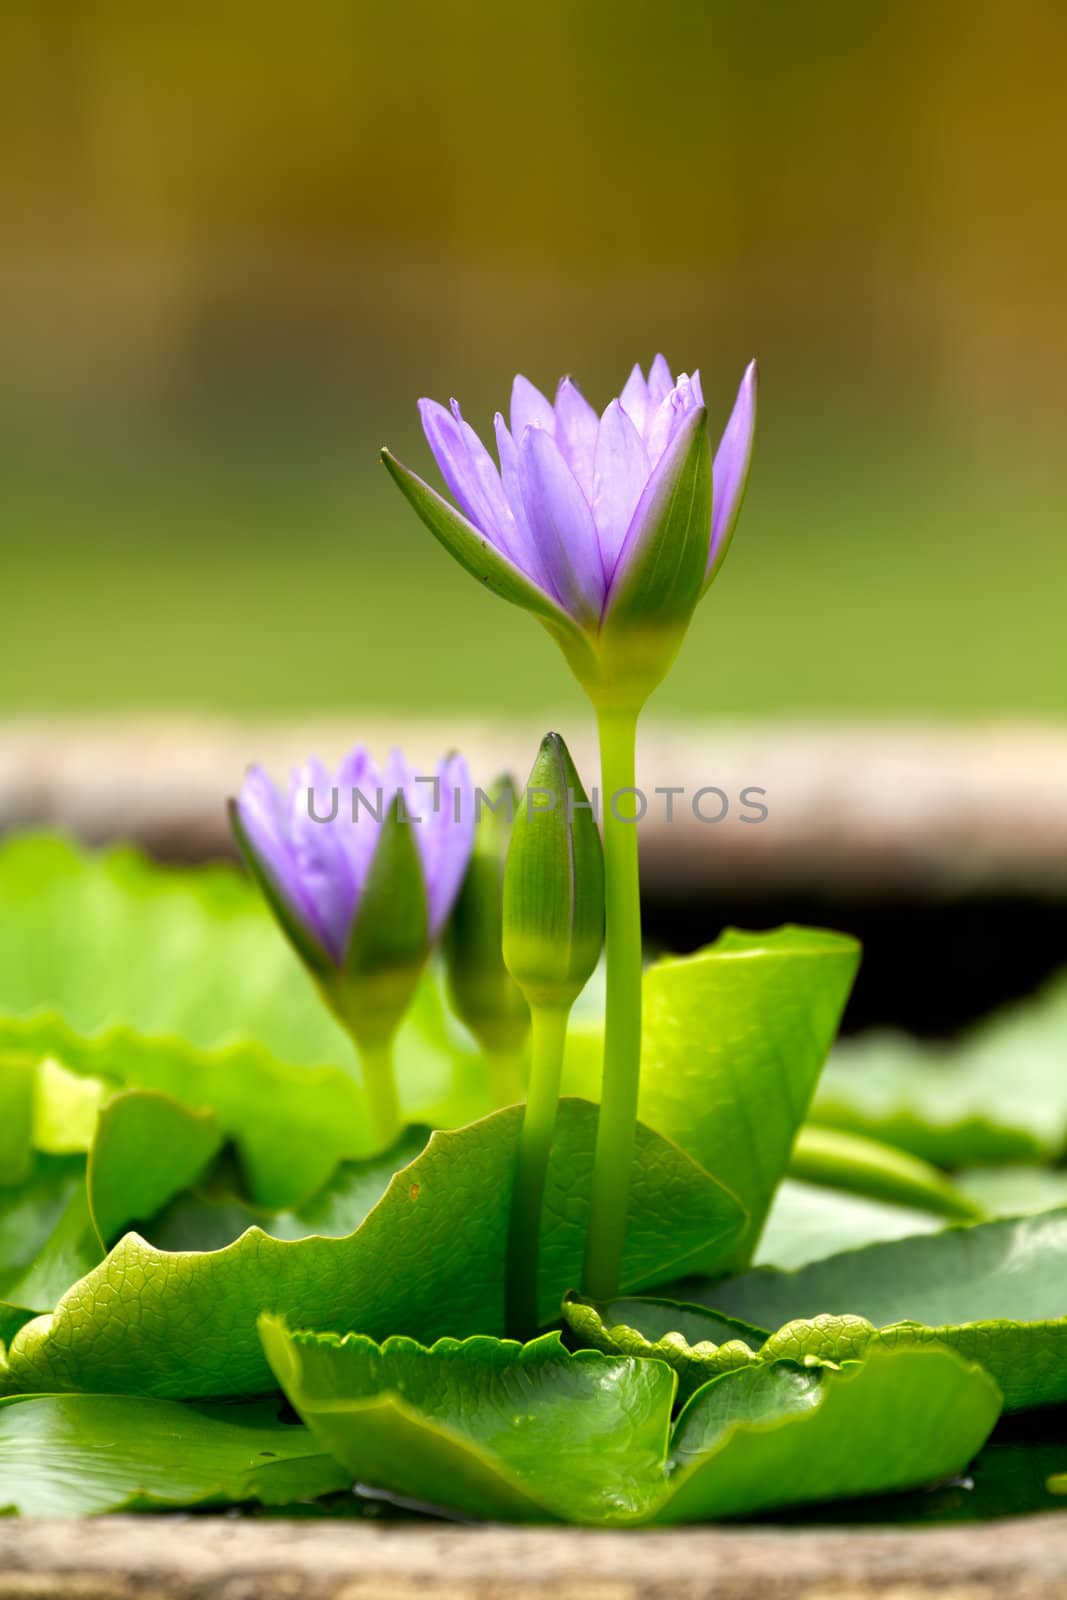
point(239, 242)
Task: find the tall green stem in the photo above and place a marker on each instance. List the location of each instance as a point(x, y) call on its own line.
point(379, 1084)
point(617, 1126)
point(547, 1039)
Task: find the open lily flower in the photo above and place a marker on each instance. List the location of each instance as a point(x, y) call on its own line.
point(313, 848)
point(601, 525)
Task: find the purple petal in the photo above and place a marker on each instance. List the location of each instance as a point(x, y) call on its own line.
point(326, 872)
point(670, 413)
point(621, 474)
point(449, 840)
point(576, 431)
point(399, 778)
point(730, 468)
point(634, 399)
point(660, 383)
point(487, 477)
point(527, 555)
point(529, 408)
point(468, 470)
point(358, 824)
point(561, 525)
point(264, 819)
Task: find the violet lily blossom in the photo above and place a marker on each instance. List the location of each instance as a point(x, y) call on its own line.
point(315, 849)
point(593, 522)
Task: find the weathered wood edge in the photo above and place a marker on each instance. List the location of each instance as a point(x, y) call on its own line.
point(863, 808)
point(121, 1558)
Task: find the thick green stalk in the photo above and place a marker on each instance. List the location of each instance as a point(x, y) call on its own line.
point(379, 1084)
point(617, 1126)
point(547, 1039)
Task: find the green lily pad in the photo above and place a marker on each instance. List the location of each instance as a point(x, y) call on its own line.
point(807, 1222)
point(65, 1107)
point(693, 1341)
point(993, 1291)
point(772, 1435)
point(428, 1260)
point(179, 982)
point(79, 1454)
point(1008, 1478)
point(213, 1216)
point(30, 1213)
point(532, 1433)
point(700, 1344)
point(16, 1119)
point(999, 1094)
point(734, 1039)
point(118, 1187)
point(1015, 1191)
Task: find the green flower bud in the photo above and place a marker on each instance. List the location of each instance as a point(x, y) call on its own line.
point(553, 884)
point(483, 993)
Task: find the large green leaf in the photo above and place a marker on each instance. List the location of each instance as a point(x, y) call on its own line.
point(17, 1078)
point(997, 1095)
point(996, 1291)
point(486, 1427)
point(701, 1344)
point(775, 1435)
point(733, 1041)
point(118, 1187)
point(30, 1215)
point(179, 982)
point(697, 1343)
point(429, 1259)
point(1008, 1478)
point(1015, 1191)
point(79, 1454)
point(213, 1216)
point(808, 1222)
point(532, 1433)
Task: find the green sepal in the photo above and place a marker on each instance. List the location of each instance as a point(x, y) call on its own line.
point(554, 884)
point(660, 580)
point(306, 946)
point(389, 939)
point(474, 552)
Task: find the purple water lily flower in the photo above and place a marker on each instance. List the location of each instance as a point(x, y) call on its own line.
point(573, 490)
point(315, 849)
point(609, 528)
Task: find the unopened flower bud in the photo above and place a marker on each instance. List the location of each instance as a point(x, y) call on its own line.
point(483, 993)
point(554, 884)
point(361, 872)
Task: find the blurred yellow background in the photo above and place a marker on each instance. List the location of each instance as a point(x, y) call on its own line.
point(239, 241)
